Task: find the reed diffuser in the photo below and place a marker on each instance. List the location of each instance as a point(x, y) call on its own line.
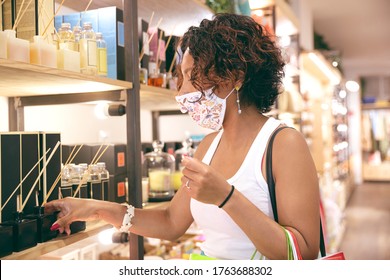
point(18, 49)
point(24, 231)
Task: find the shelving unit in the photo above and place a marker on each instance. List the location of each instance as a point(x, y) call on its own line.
point(326, 106)
point(375, 141)
point(39, 80)
point(45, 86)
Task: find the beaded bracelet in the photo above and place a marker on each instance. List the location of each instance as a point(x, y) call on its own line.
point(227, 198)
point(126, 223)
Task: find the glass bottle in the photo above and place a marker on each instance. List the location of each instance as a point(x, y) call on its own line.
point(79, 178)
point(159, 166)
point(186, 150)
point(66, 181)
point(88, 50)
point(104, 179)
point(101, 55)
point(66, 38)
point(143, 75)
point(154, 78)
point(94, 184)
point(76, 37)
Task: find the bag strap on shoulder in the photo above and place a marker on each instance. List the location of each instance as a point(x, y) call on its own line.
point(271, 186)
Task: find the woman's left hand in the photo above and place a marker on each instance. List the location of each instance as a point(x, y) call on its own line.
point(203, 182)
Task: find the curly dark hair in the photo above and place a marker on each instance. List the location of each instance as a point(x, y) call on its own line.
point(235, 47)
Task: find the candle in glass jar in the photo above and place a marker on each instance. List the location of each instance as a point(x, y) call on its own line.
point(159, 180)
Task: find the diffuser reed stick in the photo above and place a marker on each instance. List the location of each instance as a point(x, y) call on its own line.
point(2, 2)
point(55, 14)
point(158, 50)
point(21, 14)
point(166, 46)
point(81, 15)
point(21, 182)
point(172, 63)
point(40, 173)
point(41, 8)
point(69, 159)
point(150, 39)
point(95, 159)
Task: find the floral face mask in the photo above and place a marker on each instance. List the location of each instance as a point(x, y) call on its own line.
point(208, 110)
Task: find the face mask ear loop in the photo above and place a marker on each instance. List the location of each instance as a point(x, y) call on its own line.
point(237, 88)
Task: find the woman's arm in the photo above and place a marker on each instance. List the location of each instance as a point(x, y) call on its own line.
point(169, 223)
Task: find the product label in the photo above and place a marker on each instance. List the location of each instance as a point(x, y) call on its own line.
point(121, 34)
point(121, 190)
point(121, 159)
point(92, 53)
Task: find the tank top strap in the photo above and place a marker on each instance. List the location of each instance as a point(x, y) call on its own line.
point(213, 147)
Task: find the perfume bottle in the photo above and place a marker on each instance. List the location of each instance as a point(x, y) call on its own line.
point(101, 55)
point(88, 50)
point(68, 56)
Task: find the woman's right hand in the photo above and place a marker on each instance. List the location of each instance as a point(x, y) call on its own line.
point(70, 210)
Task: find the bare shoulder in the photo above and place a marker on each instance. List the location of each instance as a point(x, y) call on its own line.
point(289, 139)
point(204, 145)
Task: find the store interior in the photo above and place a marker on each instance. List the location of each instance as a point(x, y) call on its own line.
point(341, 104)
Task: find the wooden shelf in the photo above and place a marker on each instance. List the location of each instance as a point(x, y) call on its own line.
point(376, 106)
point(20, 79)
point(158, 99)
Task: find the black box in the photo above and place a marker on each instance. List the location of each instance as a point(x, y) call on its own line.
point(6, 240)
point(143, 42)
point(114, 157)
point(10, 170)
point(30, 156)
point(117, 191)
point(110, 24)
point(53, 168)
point(170, 53)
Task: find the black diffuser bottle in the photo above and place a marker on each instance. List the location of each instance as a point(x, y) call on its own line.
point(6, 240)
point(44, 222)
point(24, 232)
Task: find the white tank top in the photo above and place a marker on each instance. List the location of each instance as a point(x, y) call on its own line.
point(223, 238)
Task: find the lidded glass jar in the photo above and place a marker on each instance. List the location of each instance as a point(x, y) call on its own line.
point(159, 167)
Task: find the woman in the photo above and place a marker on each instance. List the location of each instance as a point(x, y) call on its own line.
point(230, 74)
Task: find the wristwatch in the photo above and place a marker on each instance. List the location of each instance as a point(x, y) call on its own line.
point(126, 223)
